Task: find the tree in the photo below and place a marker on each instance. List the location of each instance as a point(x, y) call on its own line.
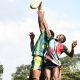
point(22, 73)
point(72, 63)
point(1, 71)
point(71, 68)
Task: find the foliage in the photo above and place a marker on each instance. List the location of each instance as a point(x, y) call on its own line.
point(22, 73)
point(72, 63)
point(1, 71)
point(68, 75)
point(70, 68)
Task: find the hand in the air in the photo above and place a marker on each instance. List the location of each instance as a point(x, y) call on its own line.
point(32, 36)
point(74, 44)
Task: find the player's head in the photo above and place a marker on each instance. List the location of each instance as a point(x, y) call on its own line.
point(52, 33)
point(61, 38)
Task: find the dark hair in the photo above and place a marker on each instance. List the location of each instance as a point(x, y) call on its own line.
point(64, 39)
point(52, 33)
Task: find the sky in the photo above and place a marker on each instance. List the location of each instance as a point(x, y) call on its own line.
point(17, 20)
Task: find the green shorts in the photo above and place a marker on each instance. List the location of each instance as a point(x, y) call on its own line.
point(37, 63)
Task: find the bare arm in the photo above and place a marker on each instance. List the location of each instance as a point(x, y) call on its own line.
point(42, 22)
point(32, 40)
point(71, 53)
point(40, 18)
point(46, 28)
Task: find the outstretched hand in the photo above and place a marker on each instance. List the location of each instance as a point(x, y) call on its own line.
point(32, 36)
point(40, 12)
point(74, 44)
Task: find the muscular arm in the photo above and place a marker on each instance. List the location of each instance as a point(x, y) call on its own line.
point(42, 22)
point(40, 18)
point(31, 40)
point(46, 28)
point(71, 53)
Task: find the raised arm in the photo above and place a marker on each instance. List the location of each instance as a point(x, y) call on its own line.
point(71, 53)
point(40, 18)
point(42, 22)
point(32, 36)
point(46, 28)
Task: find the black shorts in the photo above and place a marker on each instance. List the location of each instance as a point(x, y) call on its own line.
point(48, 64)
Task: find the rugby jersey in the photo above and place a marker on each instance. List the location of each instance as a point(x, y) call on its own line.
point(41, 45)
point(54, 50)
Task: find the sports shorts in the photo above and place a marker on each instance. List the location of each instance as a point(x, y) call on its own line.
point(49, 64)
point(37, 63)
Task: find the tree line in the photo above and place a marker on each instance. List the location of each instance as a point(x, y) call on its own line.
point(71, 69)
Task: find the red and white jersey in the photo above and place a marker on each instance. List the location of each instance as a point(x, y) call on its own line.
point(55, 49)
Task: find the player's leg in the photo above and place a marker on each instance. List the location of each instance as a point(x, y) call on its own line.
point(42, 77)
point(36, 68)
point(60, 73)
point(55, 73)
point(36, 75)
point(47, 74)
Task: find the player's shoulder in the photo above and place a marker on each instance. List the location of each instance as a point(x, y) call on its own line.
point(65, 48)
